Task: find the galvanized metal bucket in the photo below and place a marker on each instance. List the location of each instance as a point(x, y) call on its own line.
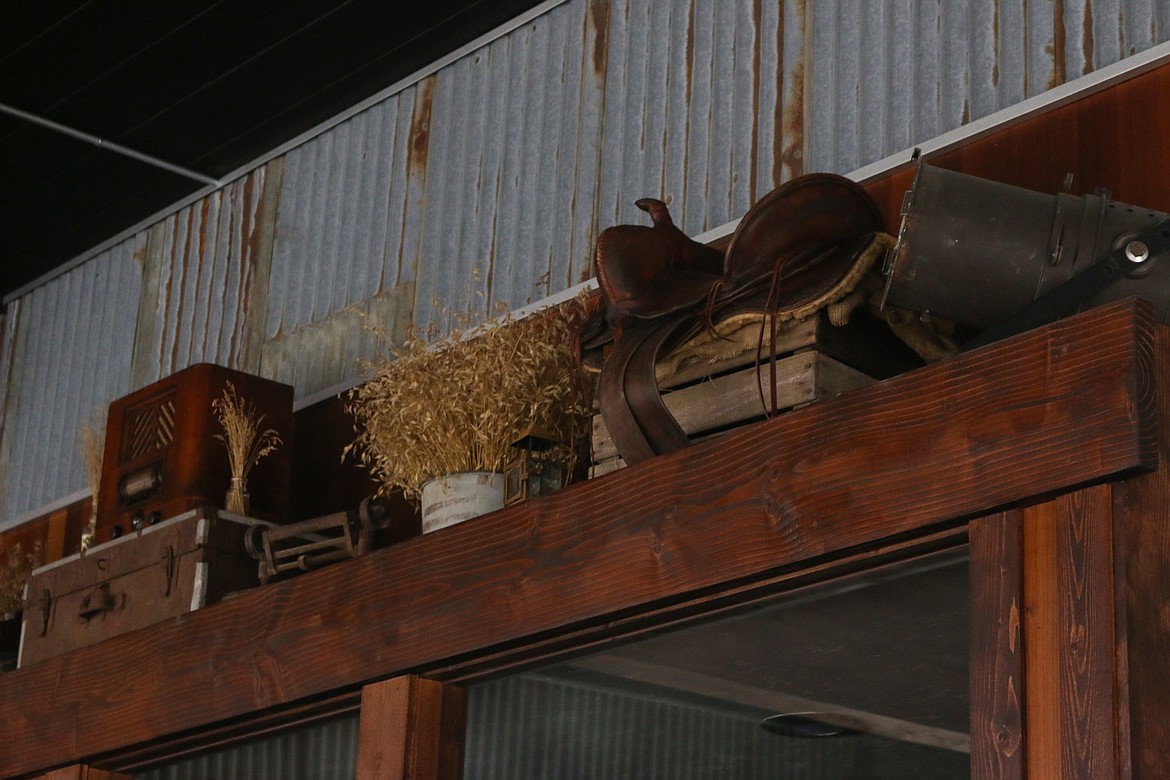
point(453, 498)
point(977, 251)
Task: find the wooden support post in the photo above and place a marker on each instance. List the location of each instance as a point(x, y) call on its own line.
point(997, 655)
point(1075, 686)
point(411, 729)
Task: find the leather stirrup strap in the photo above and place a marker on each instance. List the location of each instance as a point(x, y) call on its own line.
point(637, 418)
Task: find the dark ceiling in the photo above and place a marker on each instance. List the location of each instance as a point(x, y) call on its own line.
point(206, 86)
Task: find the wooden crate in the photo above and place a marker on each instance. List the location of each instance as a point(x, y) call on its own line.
point(712, 384)
point(163, 571)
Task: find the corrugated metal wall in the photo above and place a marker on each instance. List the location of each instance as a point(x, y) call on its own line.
point(538, 728)
point(321, 751)
point(489, 180)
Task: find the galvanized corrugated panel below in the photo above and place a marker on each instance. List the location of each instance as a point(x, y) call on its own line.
point(70, 357)
point(886, 76)
point(320, 751)
point(545, 729)
point(206, 268)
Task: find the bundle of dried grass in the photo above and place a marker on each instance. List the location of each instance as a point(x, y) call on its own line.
point(245, 445)
point(15, 565)
point(433, 409)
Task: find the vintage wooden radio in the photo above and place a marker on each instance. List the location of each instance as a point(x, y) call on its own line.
point(162, 456)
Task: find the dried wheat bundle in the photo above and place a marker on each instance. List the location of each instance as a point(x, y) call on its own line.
point(434, 409)
point(92, 444)
point(240, 425)
point(14, 571)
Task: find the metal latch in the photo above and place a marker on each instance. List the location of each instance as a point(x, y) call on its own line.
point(98, 601)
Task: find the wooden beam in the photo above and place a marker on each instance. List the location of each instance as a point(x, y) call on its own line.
point(411, 729)
point(1044, 412)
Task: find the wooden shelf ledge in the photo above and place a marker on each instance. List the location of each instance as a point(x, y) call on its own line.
point(1061, 407)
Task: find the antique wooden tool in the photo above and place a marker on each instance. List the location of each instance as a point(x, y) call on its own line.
point(310, 544)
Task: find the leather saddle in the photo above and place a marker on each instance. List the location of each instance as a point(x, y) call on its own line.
point(798, 249)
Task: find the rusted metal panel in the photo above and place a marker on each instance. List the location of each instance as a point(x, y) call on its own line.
point(70, 357)
point(895, 75)
point(200, 282)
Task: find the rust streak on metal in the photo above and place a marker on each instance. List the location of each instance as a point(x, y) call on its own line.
point(690, 59)
point(598, 17)
point(1058, 45)
point(1087, 38)
point(790, 154)
point(420, 127)
point(757, 28)
point(995, 43)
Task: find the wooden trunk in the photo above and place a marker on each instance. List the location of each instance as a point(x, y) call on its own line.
point(163, 571)
point(162, 457)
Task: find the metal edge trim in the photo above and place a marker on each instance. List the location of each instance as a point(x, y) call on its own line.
point(199, 591)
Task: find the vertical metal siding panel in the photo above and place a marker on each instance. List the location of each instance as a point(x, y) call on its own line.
point(983, 63)
point(743, 58)
point(1043, 73)
point(928, 117)
point(531, 133)
point(676, 116)
point(873, 83)
point(768, 99)
point(586, 122)
point(554, 193)
point(609, 206)
point(1011, 54)
point(209, 255)
point(794, 98)
point(717, 196)
point(899, 75)
point(692, 213)
point(71, 355)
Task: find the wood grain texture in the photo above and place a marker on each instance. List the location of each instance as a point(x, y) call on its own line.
point(1088, 693)
point(406, 727)
point(1042, 642)
point(1142, 505)
point(1074, 691)
point(997, 653)
point(1043, 412)
point(1111, 139)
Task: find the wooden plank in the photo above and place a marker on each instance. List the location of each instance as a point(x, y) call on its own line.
point(411, 729)
point(997, 653)
point(741, 396)
point(1072, 686)
point(1042, 642)
point(1087, 676)
point(1142, 562)
point(1043, 412)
